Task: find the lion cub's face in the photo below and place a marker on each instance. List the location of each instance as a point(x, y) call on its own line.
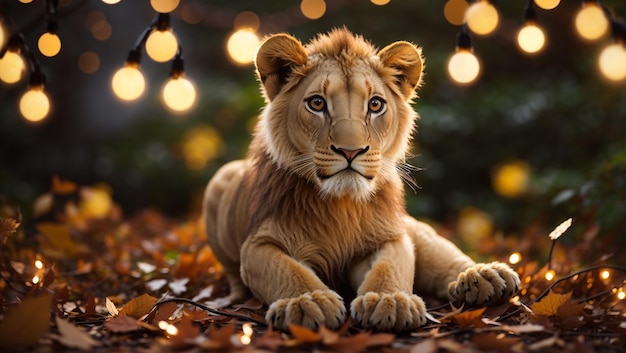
point(338, 112)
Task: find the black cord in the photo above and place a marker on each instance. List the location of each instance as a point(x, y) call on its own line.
point(212, 310)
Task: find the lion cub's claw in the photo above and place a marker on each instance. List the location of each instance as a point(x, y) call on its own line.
point(397, 311)
point(311, 309)
point(485, 284)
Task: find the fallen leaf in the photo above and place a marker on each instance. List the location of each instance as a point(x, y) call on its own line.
point(270, 339)
point(550, 304)
point(146, 267)
point(63, 187)
point(178, 286)
point(25, 324)
point(518, 329)
point(139, 306)
point(8, 227)
point(470, 318)
point(428, 345)
point(380, 339)
point(72, 336)
point(186, 330)
point(163, 312)
point(59, 239)
point(111, 307)
point(43, 204)
point(156, 284)
point(349, 344)
point(304, 334)
point(490, 341)
point(122, 323)
point(207, 292)
point(560, 229)
point(222, 335)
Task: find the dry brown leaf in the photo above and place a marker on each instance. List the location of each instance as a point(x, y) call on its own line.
point(60, 241)
point(26, 323)
point(186, 331)
point(428, 345)
point(163, 312)
point(63, 187)
point(304, 334)
point(350, 344)
point(550, 304)
point(43, 204)
point(122, 323)
point(270, 339)
point(470, 318)
point(380, 339)
point(493, 342)
point(139, 306)
point(8, 227)
point(72, 336)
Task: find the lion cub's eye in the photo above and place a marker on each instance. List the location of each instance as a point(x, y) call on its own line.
point(316, 103)
point(376, 105)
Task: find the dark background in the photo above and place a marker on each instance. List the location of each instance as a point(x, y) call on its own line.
point(552, 111)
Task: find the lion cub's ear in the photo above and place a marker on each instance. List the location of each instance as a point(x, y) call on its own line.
point(275, 60)
point(406, 58)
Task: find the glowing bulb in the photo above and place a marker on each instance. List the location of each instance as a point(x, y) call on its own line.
point(2, 35)
point(547, 4)
point(38, 264)
point(550, 275)
point(515, 258)
point(463, 67)
point(179, 94)
point(164, 6)
point(49, 44)
point(531, 38)
point(11, 67)
point(34, 104)
point(454, 11)
point(111, 2)
point(621, 294)
point(591, 22)
point(605, 274)
point(380, 2)
point(245, 340)
point(171, 330)
point(242, 45)
point(35, 279)
point(612, 62)
point(128, 82)
point(161, 46)
point(482, 17)
point(313, 9)
point(247, 329)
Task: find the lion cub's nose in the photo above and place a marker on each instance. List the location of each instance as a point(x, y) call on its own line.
point(349, 154)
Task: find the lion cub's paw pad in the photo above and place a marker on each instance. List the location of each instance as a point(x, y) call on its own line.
point(311, 309)
point(397, 311)
point(485, 284)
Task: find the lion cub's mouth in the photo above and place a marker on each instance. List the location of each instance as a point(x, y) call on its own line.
point(348, 169)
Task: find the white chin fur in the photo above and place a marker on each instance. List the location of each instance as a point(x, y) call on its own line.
point(348, 183)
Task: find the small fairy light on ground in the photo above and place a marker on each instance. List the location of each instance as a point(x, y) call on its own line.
point(515, 258)
point(550, 275)
point(38, 264)
point(168, 328)
point(621, 294)
point(246, 337)
point(35, 279)
point(605, 274)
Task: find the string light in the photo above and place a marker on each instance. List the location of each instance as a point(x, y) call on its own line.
point(463, 65)
point(591, 22)
point(380, 2)
point(482, 17)
point(515, 258)
point(179, 94)
point(621, 294)
point(531, 38)
point(38, 264)
point(612, 62)
point(111, 2)
point(49, 43)
point(454, 11)
point(242, 45)
point(128, 82)
point(162, 44)
point(12, 65)
point(550, 275)
point(605, 274)
point(547, 4)
point(164, 6)
point(313, 9)
point(34, 104)
point(246, 336)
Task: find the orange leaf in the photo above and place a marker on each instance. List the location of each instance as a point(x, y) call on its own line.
point(63, 187)
point(304, 334)
point(186, 330)
point(60, 239)
point(26, 324)
point(74, 337)
point(139, 306)
point(380, 339)
point(550, 304)
point(8, 227)
point(470, 318)
point(349, 344)
point(164, 312)
point(122, 323)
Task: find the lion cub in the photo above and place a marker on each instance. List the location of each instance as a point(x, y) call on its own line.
point(314, 219)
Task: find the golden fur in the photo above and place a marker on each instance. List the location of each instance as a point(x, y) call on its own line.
point(315, 218)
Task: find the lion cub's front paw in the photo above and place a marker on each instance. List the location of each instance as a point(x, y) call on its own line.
point(397, 311)
point(485, 284)
point(311, 309)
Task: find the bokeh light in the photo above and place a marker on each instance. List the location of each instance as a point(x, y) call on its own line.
point(511, 179)
point(201, 145)
point(550, 275)
point(612, 62)
point(164, 6)
point(95, 202)
point(531, 38)
point(547, 4)
point(247, 19)
point(515, 258)
point(482, 17)
point(34, 104)
point(380, 2)
point(179, 94)
point(454, 11)
point(12, 67)
point(49, 44)
point(161, 46)
point(591, 22)
point(88, 62)
point(313, 9)
point(474, 224)
point(463, 67)
point(3, 35)
point(242, 45)
point(128, 83)
point(111, 2)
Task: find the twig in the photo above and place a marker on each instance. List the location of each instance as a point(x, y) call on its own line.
point(211, 310)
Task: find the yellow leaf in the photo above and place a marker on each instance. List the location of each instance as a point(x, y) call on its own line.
point(73, 337)
point(139, 306)
point(60, 239)
point(550, 304)
point(26, 324)
point(304, 334)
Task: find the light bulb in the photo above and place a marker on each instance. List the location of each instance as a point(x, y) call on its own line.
point(242, 45)
point(482, 17)
point(128, 82)
point(3, 35)
point(547, 4)
point(161, 46)
point(380, 2)
point(531, 38)
point(463, 67)
point(454, 11)
point(49, 44)
point(612, 62)
point(591, 22)
point(111, 2)
point(11, 67)
point(313, 9)
point(34, 104)
point(179, 94)
point(164, 6)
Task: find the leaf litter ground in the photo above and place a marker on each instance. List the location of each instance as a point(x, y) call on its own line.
point(81, 277)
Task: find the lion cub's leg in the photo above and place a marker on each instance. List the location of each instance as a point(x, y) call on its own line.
point(384, 296)
point(295, 293)
point(443, 269)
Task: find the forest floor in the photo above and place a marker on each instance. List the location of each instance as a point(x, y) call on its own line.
point(80, 276)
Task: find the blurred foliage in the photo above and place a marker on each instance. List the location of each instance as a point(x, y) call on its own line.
point(551, 114)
